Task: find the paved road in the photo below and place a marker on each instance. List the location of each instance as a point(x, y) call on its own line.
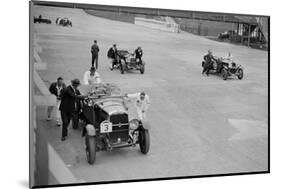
point(200, 125)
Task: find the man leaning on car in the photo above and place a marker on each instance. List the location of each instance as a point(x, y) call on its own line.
point(70, 106)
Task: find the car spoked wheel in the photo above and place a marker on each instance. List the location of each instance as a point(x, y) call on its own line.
point(240, 74)
point(224, 74)
point(91, 148)
point(144, 141)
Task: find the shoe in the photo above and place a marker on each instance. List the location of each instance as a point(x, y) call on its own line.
point(49, 118)
point(58, 123)
point(63, 138)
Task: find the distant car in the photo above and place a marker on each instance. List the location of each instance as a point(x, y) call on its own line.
point(226, 34)
point(127, 61)
point(63, 22)
point(107, 124)
point(225, 68)
point(41, 20)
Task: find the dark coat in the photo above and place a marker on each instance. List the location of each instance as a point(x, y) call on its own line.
point(138, 53)
point(208, 60)
point(111, 53)
point(95, 49)
point(53, 89)
point(69, 99)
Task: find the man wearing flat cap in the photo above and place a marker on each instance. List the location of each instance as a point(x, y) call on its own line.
point(70, 106)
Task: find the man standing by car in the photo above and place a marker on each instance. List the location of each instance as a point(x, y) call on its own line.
point(142, 103)
point(95, 54)
point(55, 89)
point(208, 62)
point(91, 77)
point(138, 54)
point(112, 55)
point(70, 106)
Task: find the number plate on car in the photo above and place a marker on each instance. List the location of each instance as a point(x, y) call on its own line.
point(105, 127)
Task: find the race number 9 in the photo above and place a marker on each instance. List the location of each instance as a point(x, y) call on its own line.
point(106, 127)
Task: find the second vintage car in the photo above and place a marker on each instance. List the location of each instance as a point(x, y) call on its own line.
point(107, 124)
point(126, 61)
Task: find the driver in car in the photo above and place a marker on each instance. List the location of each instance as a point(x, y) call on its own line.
point(91, 77)
point(142, 103)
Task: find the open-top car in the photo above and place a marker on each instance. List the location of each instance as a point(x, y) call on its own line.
point(63, 22)
point(107, 124)
point(127, 61)
point(40, 19)
point(225, 68)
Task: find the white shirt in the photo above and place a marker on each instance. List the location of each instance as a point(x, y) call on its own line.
point(89, 80)
point(141, 104)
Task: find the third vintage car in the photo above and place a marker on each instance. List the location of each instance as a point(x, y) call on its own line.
point(225, 68)
point(107, 124)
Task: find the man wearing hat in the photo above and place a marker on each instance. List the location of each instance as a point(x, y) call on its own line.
point(138, 54)
point(95, 54)
point(142, 103)
point(70, 106)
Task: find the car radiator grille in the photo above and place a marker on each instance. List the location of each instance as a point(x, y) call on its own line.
point(120, 128)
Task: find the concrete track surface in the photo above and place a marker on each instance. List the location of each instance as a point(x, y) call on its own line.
point(200, 125)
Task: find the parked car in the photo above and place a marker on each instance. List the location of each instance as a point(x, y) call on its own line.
point(63, 22)
point(225, 68)
point(127, 61)
point(107, 124)
point(40, 19)
point(226, 34)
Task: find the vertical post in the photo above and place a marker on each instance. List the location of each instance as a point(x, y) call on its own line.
point(249, 34)
point(242, 32)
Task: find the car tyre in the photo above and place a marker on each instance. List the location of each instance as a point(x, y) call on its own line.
point(224, 74)
point(240, 74)
point(144, 141)
point(91, 145)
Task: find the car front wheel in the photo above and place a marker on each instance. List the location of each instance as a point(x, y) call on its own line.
point(144, 141)
point(240, 74)
point(90, 148)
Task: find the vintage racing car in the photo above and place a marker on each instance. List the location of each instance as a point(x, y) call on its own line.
point(106, 122)
point(225, 68)
point(40, 19)
point(63, 22)
point(226, 35)
point(126, 61)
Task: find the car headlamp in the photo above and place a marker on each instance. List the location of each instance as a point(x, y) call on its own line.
point(134, 124)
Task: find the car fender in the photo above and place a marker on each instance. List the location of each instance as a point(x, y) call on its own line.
point(146, 125)
point(91, 131)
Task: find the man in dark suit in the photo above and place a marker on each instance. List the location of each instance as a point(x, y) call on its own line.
point(112, 55)
point(138, 54)
point(70, 106)
point(95, 54)
point(55, 89)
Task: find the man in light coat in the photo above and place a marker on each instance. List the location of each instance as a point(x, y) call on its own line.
point(142, 103)
point(91, 77)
